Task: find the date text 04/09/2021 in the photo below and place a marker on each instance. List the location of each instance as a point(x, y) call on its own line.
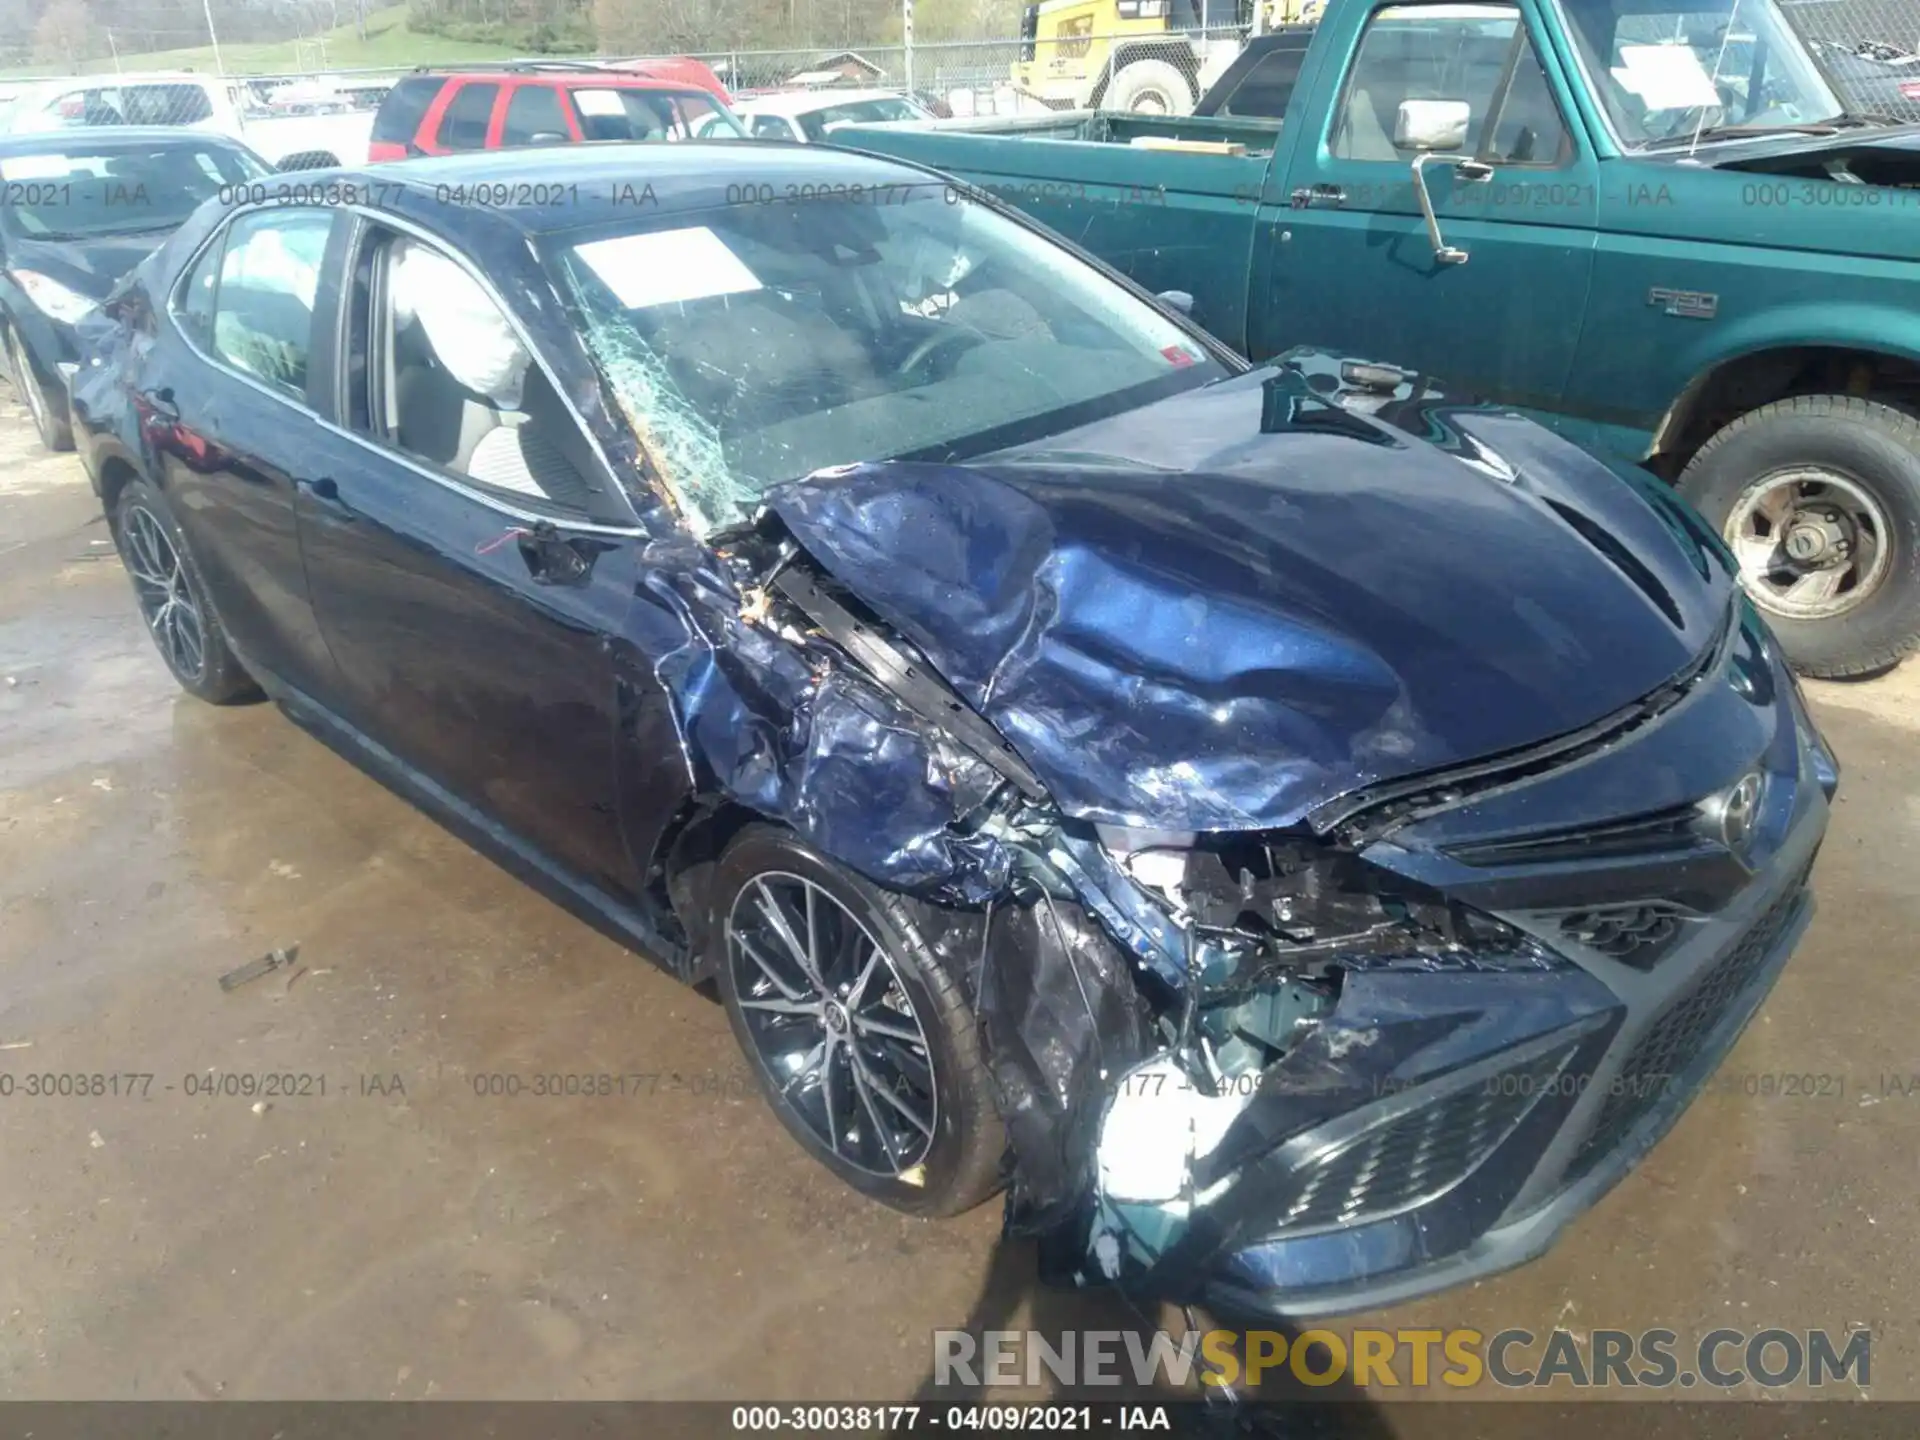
point(896, 1419)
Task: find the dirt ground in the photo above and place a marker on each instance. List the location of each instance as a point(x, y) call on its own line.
point(406, 1236)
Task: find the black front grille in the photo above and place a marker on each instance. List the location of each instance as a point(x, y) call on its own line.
point(1653, 1069)
point(1658, 833)
point(1636, 934)
point(1416, 1156)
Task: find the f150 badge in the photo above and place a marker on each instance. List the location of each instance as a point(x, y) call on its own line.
point(1685, 304)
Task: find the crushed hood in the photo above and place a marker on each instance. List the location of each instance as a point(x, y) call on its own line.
point(1220, 611)
point(88, 266)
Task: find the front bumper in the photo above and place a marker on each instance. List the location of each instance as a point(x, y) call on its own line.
point(1619, 1111)
point(1449, 1117)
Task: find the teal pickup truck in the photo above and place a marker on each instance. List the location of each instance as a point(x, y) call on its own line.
point(1651, 224)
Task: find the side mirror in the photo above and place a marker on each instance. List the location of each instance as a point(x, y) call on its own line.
point(1428, 125)
point(1433, 128)
point(1176, 300)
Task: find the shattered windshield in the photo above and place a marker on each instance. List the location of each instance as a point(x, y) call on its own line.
point(757, 343)
point(1670, 70)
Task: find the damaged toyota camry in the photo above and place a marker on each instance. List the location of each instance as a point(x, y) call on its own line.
point(1083, 765)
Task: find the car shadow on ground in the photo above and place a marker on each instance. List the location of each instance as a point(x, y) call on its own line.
point(1013, 1297)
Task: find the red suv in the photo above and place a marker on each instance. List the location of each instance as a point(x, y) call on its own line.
point(440, 113)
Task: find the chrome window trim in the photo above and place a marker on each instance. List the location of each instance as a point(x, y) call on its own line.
point(361, 215)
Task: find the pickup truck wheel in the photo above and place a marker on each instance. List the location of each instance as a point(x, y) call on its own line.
point(1152, 87)
point(1818, 497)
point(859, 1032)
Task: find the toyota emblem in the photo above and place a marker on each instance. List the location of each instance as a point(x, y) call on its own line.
point(1740, 810)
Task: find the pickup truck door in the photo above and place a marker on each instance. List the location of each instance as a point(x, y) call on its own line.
point(1345, 257)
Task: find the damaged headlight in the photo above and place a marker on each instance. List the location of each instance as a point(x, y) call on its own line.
point(1295, 895)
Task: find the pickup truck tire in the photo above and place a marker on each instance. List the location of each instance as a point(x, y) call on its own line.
point(1153, 86)
point(836, 937)
point(1834, 481)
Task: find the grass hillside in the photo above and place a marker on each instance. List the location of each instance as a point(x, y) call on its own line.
point(390, 44)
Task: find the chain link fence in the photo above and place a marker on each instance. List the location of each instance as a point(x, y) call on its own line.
point(1163, 73)
point(1870, 49)
point(1005, 76)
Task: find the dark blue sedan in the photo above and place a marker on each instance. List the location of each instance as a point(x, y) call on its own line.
point(1082, 764)
point(78, 209)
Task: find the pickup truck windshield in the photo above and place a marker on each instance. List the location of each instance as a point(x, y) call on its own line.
point(757, 343)
point(1671, 70)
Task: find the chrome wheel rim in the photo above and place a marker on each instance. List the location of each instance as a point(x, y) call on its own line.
point(831, 1025)
point(160, 582)
point(28, 387)
point(1811, 543)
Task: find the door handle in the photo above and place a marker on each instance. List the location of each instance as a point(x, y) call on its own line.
point(1307, 197)
point(551, 559)
point(326, 494)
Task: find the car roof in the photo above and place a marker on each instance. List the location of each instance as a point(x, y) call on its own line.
point(549, 190)
point(605, 79)
point(96, 138)
point(805, 102)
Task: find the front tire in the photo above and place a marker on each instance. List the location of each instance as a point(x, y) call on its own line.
point(1150, 87)
point(49, 412)
point(860, 1033)
point(173, 598)
point(1818, 497)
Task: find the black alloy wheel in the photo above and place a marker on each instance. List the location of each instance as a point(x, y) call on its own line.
point(860, 1035)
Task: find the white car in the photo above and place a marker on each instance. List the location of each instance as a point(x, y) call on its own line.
point(221, 104)
point(807, 115)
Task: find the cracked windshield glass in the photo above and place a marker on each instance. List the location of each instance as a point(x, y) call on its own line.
point(753, 344)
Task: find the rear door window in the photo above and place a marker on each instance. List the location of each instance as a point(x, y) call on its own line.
point(535, 116)
point(607, 113)
point(134, 105)
point(166, 104)
point(464, 125)
point(264, 299)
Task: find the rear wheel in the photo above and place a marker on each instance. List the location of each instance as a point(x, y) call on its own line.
point(859, 1032)
point(49, 413)
point(173, 598)
point(1818, 497)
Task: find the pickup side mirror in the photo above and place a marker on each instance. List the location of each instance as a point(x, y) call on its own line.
point(1427, 125)
point(1433, 127)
